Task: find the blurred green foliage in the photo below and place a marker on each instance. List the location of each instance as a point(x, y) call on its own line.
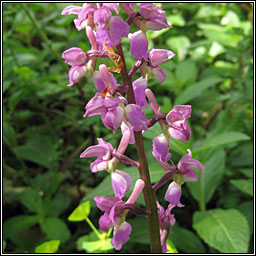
point(44, 131)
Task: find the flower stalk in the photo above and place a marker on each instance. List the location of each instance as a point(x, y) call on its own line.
point(148, 192)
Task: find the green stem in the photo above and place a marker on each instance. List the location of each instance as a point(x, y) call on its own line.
point(148, 192)
point(93, 228)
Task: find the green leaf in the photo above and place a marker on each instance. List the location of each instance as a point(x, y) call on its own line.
point(220, 34)
point(208, 181)
point(139, 232)
point(231, 19)
point(4, 245)
point(9, 135)
point(179, 45)
point(224, 230)
point(18, 224)
point(39, 149)
point(81, 212)
point(48, 247)
point(186, 72)
point(186, 240)
point(55, 229)
point(196, 90)
point(32, 200)
point(60, 203)
point(49, 182)
point(221, 139)
point(170, 247)
point(246, 208)
point(244, 185)
point(248, 172)
point(176, 20)
point(91, 244)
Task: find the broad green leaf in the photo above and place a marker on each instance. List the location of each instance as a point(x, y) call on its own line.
point(208, 10)
point(186, 240)
point(244, 185)
point(81, 212)
point(248, 172)
point(196, 90)
point(55, 229)
point(224, 230)
point(186, 72)
point(170, 247)
point(39, 149)
point(220, 34)
point(216, 49)
point(176, 20)
point(59, 203)
point(204, 188)
point(9, 135)
point(231, 19)
point(179, 45)
point(48, 247)
point(92, 244)
point(139, 232)
point(18, 224)
point(49, 182)
point(221, 139)
point(32, 200)
point(246, 208)
point(242, 156)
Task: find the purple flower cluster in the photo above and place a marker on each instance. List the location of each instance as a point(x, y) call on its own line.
point(104, 31)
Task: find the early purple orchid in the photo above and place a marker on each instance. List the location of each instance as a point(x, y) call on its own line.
point(166, 219)
point(136, 117)
point(110, 28)
point(114, 214)
point(78, 61)
point(176, 119)
point(153, 16)
point(139, 87)
point(185, 174)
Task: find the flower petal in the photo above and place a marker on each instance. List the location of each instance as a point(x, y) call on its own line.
point(121, 183)
point(121, 235)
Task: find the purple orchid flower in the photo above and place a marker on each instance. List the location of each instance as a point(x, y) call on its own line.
point(154, 17)
point(81, 12)
point(110, 28)
point(176, 119)
point(103, 152)
point(103, 103)
point(139, 44)
point(139, 87)
point(161, 148)
point(121, 183)
point(126, 126)
point(187, 164)
point(78, 61)
point(136, 117)
point(166, 219)
point(173, 194)
point(121, 235)
point(158, 56)
point(108, 107)
point(114, 215)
